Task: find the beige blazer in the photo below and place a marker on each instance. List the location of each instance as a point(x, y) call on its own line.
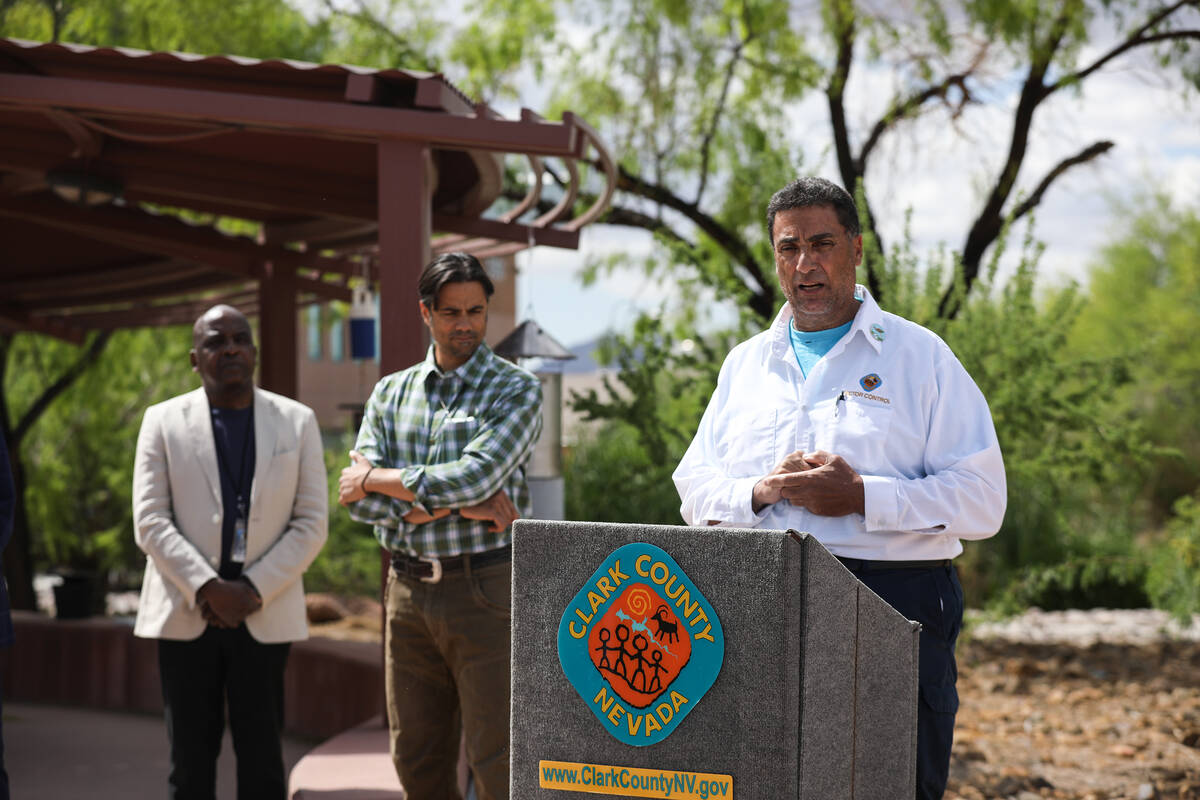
point(177, 514)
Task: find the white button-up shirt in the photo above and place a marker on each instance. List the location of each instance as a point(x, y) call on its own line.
point(889, 397)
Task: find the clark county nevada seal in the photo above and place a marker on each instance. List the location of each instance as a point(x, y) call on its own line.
point(640, 644)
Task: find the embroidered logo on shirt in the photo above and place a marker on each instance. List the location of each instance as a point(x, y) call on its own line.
point(870, 382)
point(640, 644)
point(878, 332)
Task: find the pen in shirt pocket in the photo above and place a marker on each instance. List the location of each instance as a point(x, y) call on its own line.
point(838, 404)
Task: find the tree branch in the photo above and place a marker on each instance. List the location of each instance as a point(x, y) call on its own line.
point(988, 224)
point(81, 364)
point(852, 169)
point(844, 36)
point(618, 215)
point(1097, 149)
point(1138, 38)
point(911, 105)
point(710, 134)
point(762, 298)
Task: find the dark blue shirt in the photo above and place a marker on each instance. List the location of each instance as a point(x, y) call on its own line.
point(233, 434)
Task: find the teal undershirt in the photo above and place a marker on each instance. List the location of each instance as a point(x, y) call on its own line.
point(810, 346)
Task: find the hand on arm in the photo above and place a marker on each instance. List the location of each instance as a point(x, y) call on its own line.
point(829, 486)
point(497, 509)
point(361, 478)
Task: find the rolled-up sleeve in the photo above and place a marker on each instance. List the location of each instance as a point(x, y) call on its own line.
point(373, 442)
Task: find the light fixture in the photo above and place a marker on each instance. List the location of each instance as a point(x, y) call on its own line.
point(84, 188)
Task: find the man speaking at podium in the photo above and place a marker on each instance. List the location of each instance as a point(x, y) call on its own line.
point(862, 428)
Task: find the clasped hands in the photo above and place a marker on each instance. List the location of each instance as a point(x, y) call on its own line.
point(225, 604)
point(821, 482)
point(497, 509)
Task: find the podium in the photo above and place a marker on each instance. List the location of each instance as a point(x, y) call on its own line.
point(680, 662)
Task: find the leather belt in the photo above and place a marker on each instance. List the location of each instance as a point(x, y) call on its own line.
point(430, 569)
point(863, 565)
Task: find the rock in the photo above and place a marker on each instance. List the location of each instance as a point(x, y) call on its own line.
point(324, 608)
point(1147, 792)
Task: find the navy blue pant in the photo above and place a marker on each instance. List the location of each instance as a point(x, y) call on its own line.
point(198, 678)
point(933, 597)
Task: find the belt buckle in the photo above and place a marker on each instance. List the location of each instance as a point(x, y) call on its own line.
point(435, 565)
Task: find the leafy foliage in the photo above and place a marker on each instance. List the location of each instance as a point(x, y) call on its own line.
point(1144, 300)
point(256, 28)
point(79, 454)
point(609, 477)
point(1173, 580)
point(349, 563)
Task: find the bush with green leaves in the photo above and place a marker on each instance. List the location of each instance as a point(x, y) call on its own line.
point(1173, 575)
point(609, 476)
point(349, 563)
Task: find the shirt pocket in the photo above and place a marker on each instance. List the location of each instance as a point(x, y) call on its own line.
point(746, 444)
point(856, 430)
point(452, 437)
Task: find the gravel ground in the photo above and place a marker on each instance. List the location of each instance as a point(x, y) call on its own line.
point(1083, 705)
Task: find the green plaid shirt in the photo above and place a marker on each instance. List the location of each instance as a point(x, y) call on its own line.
point(458, 438)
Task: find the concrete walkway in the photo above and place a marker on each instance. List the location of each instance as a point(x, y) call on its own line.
point(52, 753)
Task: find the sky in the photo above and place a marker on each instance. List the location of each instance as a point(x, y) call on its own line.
point(936, 169)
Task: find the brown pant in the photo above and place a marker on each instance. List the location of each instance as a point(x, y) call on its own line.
point(447, 659)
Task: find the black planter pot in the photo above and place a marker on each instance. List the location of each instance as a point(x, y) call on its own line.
point(76, 596)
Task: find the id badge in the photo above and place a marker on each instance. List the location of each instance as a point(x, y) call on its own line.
point(237, 552)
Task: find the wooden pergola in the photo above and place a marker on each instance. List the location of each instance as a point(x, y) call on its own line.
point(115, 165)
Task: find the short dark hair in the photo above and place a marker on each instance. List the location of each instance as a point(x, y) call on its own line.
point(451, 268)
point(805, 192)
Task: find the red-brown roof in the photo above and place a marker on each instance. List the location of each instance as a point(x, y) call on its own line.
point(287, 145)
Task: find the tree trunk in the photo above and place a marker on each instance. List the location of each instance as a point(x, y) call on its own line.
point(18, 562)
point(18, 558)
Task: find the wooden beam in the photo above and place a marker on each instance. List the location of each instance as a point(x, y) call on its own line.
point(315, 231)
point(170, 237)
point(404, 226)
point(20, 321)
point(324, 118)
point(277, 365)
point(167, 288)
point(99, 278)
point(507, 231)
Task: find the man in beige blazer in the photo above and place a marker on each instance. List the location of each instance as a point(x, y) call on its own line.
point(230, 506)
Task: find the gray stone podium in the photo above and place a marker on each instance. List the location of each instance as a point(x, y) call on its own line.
point(815, 697)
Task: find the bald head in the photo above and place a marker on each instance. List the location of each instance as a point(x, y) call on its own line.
point(219, 310)
point(223, 353)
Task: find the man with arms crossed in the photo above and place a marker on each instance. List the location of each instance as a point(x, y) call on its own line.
point(439, 470)
point(862, 428)
point(230, 504)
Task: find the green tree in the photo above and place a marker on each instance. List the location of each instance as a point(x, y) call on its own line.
point(1144, 300)
point(55, 373)
point(256, 28)
point(77, 412)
